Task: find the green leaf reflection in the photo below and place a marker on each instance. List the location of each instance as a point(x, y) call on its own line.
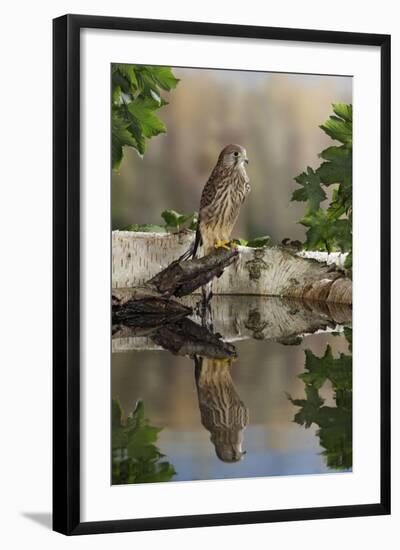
point(334, 423)
point(135, 456)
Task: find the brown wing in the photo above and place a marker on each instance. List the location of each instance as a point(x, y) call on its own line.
point(209, 190)
point(207, 197)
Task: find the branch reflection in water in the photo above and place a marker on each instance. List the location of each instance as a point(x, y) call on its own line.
point(222, 412)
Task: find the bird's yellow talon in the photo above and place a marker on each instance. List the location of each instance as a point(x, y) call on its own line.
point(222, 244)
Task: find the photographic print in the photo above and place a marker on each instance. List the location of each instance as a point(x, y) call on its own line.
point(204, 255)
point(231, 200)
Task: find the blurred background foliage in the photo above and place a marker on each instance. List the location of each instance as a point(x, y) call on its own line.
point(275, 116)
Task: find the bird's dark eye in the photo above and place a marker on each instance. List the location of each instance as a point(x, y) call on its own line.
point(236, 153)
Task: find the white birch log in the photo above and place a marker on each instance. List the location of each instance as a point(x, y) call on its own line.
point(268, 271)
point(336, 258)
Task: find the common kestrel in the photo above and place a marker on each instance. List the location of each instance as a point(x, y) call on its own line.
point(221, 199)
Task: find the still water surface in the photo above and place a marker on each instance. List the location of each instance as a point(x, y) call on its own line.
point(236, 418)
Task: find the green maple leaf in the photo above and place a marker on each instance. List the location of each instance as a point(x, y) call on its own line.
point(116, 95)
point(121, 82)
point(121, 136)
point(344, 111)
point(127, 71)
point(309, 406)
point(338, 165)
point(135, 455)
point(343, 234)
point(151, 80)
point(136, 95)
point(163, 77)
point(348, 333)
point(311, 189)
point(141, 121)
point(339, 126)
point(319, 369)
point(330, 229)
point(334, 423)
point(321, 231)
point(326, 233)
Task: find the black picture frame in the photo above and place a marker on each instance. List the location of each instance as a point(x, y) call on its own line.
point(66, 273)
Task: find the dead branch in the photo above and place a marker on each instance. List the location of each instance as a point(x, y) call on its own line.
point(184, 277)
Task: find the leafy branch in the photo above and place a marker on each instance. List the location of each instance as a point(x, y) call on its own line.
point(257, 242)
point(136, 96)
point(330, 228)
point(176, 221)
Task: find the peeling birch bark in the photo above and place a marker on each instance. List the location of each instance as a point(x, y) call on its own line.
point(336, 258)
point(269, 271)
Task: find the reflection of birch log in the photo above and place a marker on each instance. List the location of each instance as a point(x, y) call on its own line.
point(143, 307)
point(186, 337)
point(222, 411)
point(241, 317)
point(276, 271)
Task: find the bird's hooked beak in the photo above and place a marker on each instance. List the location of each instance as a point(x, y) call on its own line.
point(246, 160)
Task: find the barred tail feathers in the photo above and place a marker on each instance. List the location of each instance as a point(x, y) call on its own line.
point(197, 240)
point(190, 253)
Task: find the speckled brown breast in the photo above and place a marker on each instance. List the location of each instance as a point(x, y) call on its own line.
point(229, 196)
